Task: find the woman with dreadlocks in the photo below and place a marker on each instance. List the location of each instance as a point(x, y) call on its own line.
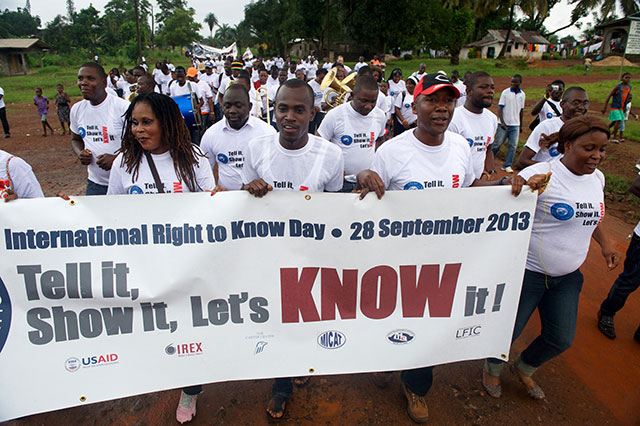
point(156, 154)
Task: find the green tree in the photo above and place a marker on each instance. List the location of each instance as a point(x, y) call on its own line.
point(119, 25)
point(86, 30)
point(211, 21)
point(225, 34)
point(178, 29)
point(18, 23)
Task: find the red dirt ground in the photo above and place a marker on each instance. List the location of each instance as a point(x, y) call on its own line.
point(596, 382)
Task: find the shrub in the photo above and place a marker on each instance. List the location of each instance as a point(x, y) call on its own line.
point(408, 57)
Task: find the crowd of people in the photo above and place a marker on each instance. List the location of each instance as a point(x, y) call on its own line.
point(254, 126)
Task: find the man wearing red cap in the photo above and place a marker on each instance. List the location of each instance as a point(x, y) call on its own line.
point(424, 158)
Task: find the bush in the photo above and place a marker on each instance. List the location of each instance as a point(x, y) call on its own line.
point(408, 57)
point(472, 53)
point(546, 56)
point(556, 55)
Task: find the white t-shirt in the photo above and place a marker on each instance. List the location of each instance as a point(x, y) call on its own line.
point(318, 93)
point(533, 142)
point(226, 79)
point(121, 182)
point(566, 215)
point(171, 66)
point(327, 65)
point(204, 92)
point(360, 65)
point(547, 112)
point(100, 127)
point(312, 68)
point(2, 98)
point(226, 146)
point(397, 89)
point(462, 88)
point(405, 107)
point(406, 163)
point(512, 103)
point(316, 167)
point(479, 131)
point(163, 81)
point(25, 184)
point(355, 134)
point(418, 76)
point(386, 104)
point(176, 90)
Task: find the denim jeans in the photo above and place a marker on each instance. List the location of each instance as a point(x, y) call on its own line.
point(418, 380)
point(627, 282)
point(95, 188)
point(557, 301)
point(282, 386)
point(3, 118)
point(512, 134)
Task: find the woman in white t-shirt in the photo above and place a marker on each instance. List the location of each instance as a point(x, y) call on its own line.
point(404, 117)
point(156, 137)
point(568, 214)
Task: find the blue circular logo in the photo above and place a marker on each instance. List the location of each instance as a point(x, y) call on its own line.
point(346, 139)
point(223, 158)
point(82, 132)
point(407, 105)
point(135, 190)
point(393, 93)
point(470, 141)
point(553, 151)
point(413, 185)
point(5, 314)
point(562, 211)
point(549, 115)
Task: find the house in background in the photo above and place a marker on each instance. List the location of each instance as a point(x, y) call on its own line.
point(13, 54)
point(615, 34)
point(522, 44)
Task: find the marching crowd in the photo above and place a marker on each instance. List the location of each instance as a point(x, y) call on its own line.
point(280, 124)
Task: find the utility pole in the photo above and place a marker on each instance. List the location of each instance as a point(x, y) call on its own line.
point(137, 6)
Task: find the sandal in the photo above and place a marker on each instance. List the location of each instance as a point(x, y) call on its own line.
point(301, 381)
point(277, 405)
point(494, 391)
point(535, 392)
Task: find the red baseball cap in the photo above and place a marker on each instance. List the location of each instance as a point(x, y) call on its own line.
point(431, 83)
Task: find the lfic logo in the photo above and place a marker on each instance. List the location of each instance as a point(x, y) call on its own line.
point(5, 314)
point(463, 333)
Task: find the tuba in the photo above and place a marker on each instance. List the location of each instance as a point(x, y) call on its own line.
point(336, 92)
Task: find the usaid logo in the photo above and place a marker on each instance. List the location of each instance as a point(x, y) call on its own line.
point(223, 158)
point(392, 93)
point(72, 365)
point(260, 347)
point(553, 151)
point(82, 132)
point(346, 139)
point(184, 349)
point(135, 190)
point(413, 185)
point(562, 211)
point(465, 332)
point(5, 314)
point(331, 339)
point(400, 337)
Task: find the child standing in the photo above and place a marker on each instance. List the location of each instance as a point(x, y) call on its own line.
point(620, 96)
point(63, 103)
point(42, 103)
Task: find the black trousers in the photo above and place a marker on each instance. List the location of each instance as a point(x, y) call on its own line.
point(3, 118)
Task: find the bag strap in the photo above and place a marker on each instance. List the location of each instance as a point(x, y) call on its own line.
point(154, 172)
point(553, 107)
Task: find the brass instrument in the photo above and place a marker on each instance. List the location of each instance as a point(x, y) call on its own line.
point(263, 92)
point(350, 80)
point(335, 86)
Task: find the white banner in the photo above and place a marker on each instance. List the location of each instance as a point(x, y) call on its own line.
point(107, 297)
point(633, 40)
point(201, 50)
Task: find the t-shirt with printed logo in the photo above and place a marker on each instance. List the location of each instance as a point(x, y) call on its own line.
point(121, 182)
point(21, 177)
point(404, 103)
point(316, 167)
point(226, 146)
point(566, 215)
point(547, 112)
point(406, 163)
point(547, 127)
point(100, 127)
point(355, 134)
point(479, 131)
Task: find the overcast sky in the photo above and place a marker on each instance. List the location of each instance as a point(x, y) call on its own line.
point(232, 12)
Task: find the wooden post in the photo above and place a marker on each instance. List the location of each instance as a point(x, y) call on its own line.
point(24, 63)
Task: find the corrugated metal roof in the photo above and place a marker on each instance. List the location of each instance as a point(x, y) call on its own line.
point(21, 43)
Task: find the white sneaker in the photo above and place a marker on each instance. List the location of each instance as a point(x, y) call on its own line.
point(186, 408)
point(507, 169)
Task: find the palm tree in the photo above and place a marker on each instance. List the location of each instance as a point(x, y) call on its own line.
point(608, 7)
point(225, 34)
point(211, 21)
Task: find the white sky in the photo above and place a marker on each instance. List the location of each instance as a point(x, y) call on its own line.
point(232, 12)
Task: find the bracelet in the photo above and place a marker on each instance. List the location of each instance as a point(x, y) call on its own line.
point(502, 179)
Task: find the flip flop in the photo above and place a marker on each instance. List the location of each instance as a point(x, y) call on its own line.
point(301, 381)
point(277, 404)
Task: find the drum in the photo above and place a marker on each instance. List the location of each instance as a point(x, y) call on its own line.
point(185, 104)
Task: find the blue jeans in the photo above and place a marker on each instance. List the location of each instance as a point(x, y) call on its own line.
point(95, 188)
point(627, 282)
point(557, 301)
point(512, 133)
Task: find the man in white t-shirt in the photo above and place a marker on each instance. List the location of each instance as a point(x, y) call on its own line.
point(549, 106)
point(3, 115)
point(425, 158)
point(361, 63)
point(357, 127)
point(422, 71)
point(17, 179)
point(626, 283)
point(163, 78)
point(510, 108)
point(225, 142)
point(575, 102)
point(462, 88)
point(318, 99)
point(96, 126)
point(340, 61)
point(474, 122)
